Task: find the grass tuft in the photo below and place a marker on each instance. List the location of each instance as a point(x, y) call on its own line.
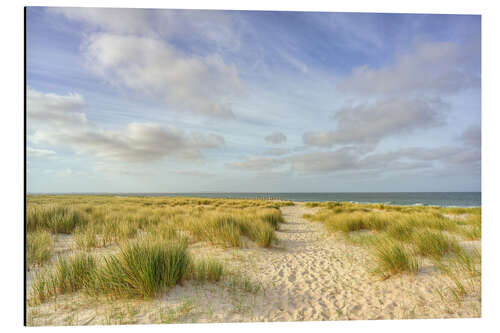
point(435, 244)
point(393, 258)
point(210, 270)
point(68, 275)
point(142, 270)
point(39, 247)
point(56, 219)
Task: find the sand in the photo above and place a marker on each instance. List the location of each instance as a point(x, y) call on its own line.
point(307, 276)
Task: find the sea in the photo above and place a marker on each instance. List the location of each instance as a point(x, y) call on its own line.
point(443, 199)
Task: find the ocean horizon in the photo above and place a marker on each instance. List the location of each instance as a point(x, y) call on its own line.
point(443, 199)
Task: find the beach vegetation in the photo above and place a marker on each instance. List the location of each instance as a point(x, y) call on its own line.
point(39, 247)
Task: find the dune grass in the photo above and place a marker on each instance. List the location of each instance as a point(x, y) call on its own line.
point(152, 235)
point(394, 258)
point(471, 233)
point(53, 218)
point(398, 235)
point(100, 221)
point(39, 247)
point(68, 275)
point(141, 270)
point(435, 244)
point(400, 231)
point(227, 228)
point(206, 269)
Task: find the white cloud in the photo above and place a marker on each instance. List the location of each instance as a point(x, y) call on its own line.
point(255, 163)
point(56, 109)
point(323, 162)
point(57, 124)
point(353, 159)
point(276, 138)
point(432, 67)
point(356, 160)
point(35, 152)
point(218, 28)
point(370, 123)
point(110, 19)
point(200, 85)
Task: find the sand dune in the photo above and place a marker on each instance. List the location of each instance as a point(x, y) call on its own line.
point(307, 276)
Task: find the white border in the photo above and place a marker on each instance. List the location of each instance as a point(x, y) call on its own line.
point(12, 163)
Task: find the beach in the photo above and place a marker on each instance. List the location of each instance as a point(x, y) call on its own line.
point(308, 274)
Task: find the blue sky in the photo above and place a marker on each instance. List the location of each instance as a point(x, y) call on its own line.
point(130, 100)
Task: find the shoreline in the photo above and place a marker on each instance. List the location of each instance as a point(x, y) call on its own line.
point(263, 197)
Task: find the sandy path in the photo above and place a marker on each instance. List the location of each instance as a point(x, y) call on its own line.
point(316, 277)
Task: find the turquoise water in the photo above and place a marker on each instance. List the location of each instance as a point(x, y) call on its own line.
point(445, 199)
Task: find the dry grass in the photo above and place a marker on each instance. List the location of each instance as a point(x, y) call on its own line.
point(99, 221)
point(394, 258)
point(39, 247)
point(399, 235)
point(153, 236)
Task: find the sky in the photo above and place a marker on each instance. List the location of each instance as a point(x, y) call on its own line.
point(157, 100)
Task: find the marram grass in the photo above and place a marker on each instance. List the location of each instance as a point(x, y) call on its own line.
point(39, 247)
point(141, 270)
point(435, 244)
point(100, 221)
point(394, 258)
point(54, 218)
point(67, 275)
point(400, 236)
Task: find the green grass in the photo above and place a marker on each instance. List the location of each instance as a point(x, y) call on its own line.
point(352, 221)
point(152, 235)
point(56, 219)
point(472, 232)
point(394, 258)
point(271, 216)
point(39, 247)
point(68, 275)
point(435, 244)
point(202, 270)
point(99, 221)
point(74, 273)
point(142, 270)
point(85, 238)
point(228, 229)
point(400, 231)
point(432, 232)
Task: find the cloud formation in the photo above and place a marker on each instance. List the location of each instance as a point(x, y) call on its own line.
point(404, 96)
point(472, 136)
point(275, 138)
point(370, 123)
point(352, 159)
point(256, 163)
point(57, 124)
point(217, 28)
point(35, 152)
point(118, 20)
point(199, 85)
point(432, 67)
